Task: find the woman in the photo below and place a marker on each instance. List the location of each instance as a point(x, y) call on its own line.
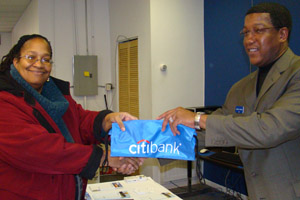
point(47, 141)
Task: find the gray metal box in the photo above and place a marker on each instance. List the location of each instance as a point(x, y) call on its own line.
point(85, 75)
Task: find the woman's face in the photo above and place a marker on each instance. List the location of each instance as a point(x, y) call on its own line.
point(34, 63)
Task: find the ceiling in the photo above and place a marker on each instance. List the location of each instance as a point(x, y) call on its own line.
point(10, 12)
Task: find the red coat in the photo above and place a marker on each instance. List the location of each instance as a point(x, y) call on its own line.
point(36, 162)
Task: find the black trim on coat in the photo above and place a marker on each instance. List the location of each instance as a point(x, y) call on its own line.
point(43, 121)
point(63, 86)
point(99, 132)
point(7, 83)
point(93, 164)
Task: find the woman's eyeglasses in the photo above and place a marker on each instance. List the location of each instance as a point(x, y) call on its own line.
point(33, 59)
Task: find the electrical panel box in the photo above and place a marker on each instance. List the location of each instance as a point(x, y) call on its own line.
point(85, 75)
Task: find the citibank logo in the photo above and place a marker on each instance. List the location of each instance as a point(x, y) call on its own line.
point(144, 147)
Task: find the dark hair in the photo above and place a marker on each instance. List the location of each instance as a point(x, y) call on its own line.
point(7, 60)
point(280, 15)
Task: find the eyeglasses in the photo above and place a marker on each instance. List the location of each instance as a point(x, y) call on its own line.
point(255, 31)
point(33, 59)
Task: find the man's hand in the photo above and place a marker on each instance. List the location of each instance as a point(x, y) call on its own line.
point(177, 116)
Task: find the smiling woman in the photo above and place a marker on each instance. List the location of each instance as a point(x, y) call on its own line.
point(34, 63)
point(45, 136)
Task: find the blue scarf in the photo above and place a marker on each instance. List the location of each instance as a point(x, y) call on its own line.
point(51, 99)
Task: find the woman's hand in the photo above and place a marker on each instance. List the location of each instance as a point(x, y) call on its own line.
point(124, 165)
point(117, 117)
point(177, 116)
point(130, 166)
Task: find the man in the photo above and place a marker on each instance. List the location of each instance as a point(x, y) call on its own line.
point(261, 114)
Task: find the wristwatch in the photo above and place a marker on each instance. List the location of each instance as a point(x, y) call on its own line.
point(197, 121)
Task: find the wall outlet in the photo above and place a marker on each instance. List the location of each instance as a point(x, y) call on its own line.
point(108, 86)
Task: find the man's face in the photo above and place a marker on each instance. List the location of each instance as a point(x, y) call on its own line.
point(262, 41)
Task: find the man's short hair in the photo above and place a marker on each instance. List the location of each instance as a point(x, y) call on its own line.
point(279, 14)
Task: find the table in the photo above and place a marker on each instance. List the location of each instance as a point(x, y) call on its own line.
point(131, 188)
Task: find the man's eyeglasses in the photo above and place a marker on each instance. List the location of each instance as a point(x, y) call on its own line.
point(33, 59)
point(255, 31)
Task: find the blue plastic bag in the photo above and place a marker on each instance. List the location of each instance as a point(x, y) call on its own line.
point(144, 138)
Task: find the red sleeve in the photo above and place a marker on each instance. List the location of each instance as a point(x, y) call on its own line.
point(27, 145)
point(89, 122)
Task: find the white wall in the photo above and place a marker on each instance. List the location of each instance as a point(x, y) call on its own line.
point(5, 44)
point(131, 18)
point(177, 40)
point(28, 23)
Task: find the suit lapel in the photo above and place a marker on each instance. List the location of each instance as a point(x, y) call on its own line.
point(278, 68)
point(271, 78)
point(250, 91)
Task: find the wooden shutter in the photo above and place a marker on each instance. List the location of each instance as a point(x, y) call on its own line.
point(129, 77)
